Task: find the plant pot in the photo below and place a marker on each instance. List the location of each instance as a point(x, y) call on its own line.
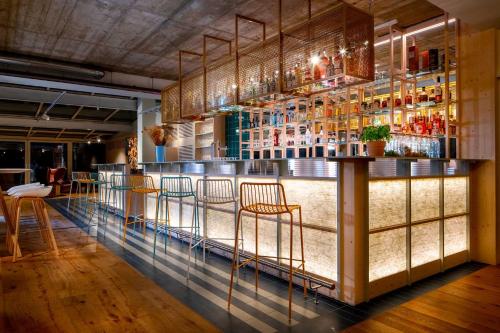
point(375, 148)
point(160, 154)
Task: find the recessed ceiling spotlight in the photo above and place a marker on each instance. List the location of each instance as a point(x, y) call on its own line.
point(98, 140)
point(88, 142)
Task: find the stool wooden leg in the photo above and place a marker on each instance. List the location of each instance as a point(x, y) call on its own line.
point(234, 262)
point(290, 273)
point(49, 229)
point(15, 238)
point(302, 253)
point(127, 211)
point(256, 252)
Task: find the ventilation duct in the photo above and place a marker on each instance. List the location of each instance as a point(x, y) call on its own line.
point(29, 66)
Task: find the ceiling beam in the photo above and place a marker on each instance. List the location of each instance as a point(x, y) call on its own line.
point(67, 124)
point(111, 115)
point(80, 108)
point(47, 96)
point(29, 131)
point(9, 79)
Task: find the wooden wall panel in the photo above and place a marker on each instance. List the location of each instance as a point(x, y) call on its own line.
point(479, 65)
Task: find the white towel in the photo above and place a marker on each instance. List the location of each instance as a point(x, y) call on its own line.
point(19, 187)
point(39, 192)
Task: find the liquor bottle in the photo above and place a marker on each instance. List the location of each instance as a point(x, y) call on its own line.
point(298, 75)
point(338, 62)
point(422, 97)
point(276, 138)
point(438, 92)
point(307, 74)
point(330, 69)
point(325, 62)
point(432, 97)
point(413, 58)
point(433, 59)
point(272, 84)
point(408, 97)
point(308, 137)
point(319, 139)
point(317, 68)
point(424, 59)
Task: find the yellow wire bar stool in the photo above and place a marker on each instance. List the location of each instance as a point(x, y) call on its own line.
point(267, 199)
point(142, 185)
point(211, 192)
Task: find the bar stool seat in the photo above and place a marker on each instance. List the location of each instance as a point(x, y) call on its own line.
point(267, 199)
point(270, 209)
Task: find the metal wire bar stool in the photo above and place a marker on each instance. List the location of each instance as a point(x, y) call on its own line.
point(95, 183)
point(78, 177)
point(211, 192)
point(119, 183)
point(267, 199)
point(175, 187)
point(140, 185)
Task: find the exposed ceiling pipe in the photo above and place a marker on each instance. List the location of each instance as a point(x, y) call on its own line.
point(31, 66)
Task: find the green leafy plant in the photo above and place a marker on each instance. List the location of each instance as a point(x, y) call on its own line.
point(391, 153)
point(376, 133)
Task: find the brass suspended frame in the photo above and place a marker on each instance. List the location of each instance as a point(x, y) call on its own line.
point(362, 28)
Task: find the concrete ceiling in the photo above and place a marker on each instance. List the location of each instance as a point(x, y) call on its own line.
point(143, 36)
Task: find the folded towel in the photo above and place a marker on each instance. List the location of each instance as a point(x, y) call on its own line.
point(27, 188)
point(39, 192)
point(18, 187)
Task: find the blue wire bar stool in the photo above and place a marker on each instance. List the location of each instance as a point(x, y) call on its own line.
point(78, 177)
point(177, 187)
point(119, 185)
point(142, 185)
point(95, 184)
point(211, 192)
point(267, 199)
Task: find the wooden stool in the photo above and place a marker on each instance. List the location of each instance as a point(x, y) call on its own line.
point(267, 199)
point(142, 185)
point(43, 220)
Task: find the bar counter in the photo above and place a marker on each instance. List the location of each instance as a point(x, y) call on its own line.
point(370, 225)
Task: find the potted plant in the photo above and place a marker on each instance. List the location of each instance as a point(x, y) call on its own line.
point(161, 135)
point(375, 138)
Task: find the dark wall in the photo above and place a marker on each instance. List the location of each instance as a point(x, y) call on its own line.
point(84, 155)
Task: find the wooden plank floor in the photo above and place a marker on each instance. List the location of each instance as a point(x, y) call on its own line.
point(470, 304)
point(86, 289)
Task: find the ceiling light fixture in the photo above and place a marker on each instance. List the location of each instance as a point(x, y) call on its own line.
point(98, 140)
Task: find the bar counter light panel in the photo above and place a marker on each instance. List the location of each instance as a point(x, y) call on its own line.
point(416, 222)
